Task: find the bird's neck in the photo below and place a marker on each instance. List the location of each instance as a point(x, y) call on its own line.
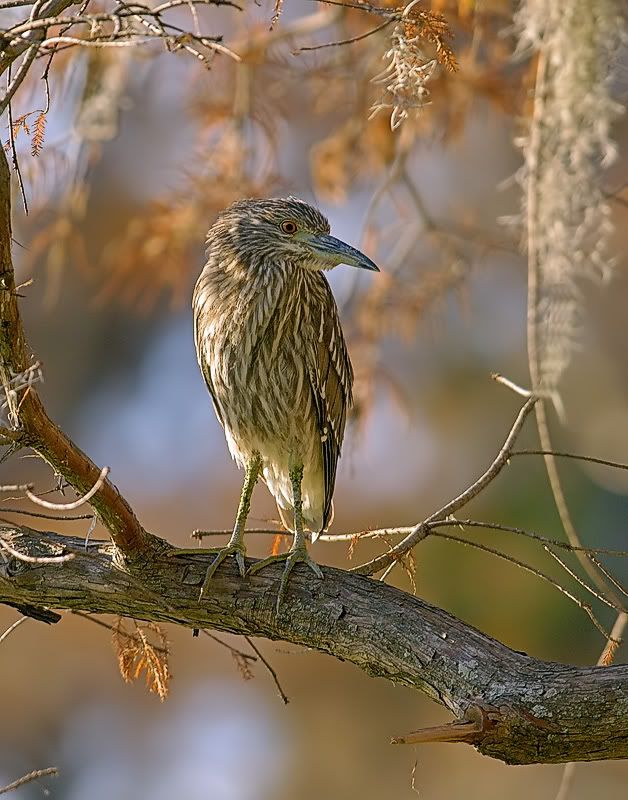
point(243, 298)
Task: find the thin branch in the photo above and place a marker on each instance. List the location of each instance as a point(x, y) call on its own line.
point(498, 526)
point(42, 515)
point(15, 3)
point(422, 530)
point(582, 583)
point(510, 385)
point(32, 776)
point(562, 454)
point(273, 674)
point(35, 559)
point(538, 573)
point(352, 40)
point(609, 577)
point(75, 503)
point(201, 534)
point(101, 623)
point(393, 14)
point(15, 82)
point(11, 628)
point(15, 159)
point(380, 533)
point(233, 650)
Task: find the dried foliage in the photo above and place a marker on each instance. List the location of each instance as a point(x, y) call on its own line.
point(240, 121)
point(608, 655)
point(409, 69)
point(143, 648)
point(279, 541)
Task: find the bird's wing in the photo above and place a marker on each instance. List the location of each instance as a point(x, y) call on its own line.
point(200, 309)
point(331, 379)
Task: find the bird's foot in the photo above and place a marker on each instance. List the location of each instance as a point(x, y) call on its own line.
point(222, 553)
point(293, 557)
point(235, 549)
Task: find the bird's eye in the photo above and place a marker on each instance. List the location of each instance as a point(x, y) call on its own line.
point(288, 226)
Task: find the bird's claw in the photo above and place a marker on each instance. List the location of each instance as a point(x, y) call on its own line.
point(292, 558)
point(222, 553)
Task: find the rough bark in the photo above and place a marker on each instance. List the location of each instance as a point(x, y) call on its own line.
point(526, 710)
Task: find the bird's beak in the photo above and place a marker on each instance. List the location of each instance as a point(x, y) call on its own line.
point(331, 251)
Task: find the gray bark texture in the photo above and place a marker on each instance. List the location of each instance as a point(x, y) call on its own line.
point(508, 705)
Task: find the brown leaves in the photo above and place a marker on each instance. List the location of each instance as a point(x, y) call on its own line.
point(608, 655)
point(352, 151)
point(39, 131)
point(144, 649)
point(434, 28)
point(21, 123)
point(163, 240)
point(278, 540)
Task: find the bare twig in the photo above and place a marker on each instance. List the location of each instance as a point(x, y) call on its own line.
point(347, 41)
point(32, 776)
point(14, 156)
point(42, 515)
point(119, 631)
point(273, 674)
point(539, 574)
point(16, 80)
point(233, 650)
point(75, 503)
point(200, 534)
point(421, 530)
point(577, 456)
point(11, 628)
point(35, 559)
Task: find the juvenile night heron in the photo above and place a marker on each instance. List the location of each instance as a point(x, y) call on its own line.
point(272, 352)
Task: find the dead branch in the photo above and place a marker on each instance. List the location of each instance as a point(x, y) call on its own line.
point(32, 776)
point(421, 530)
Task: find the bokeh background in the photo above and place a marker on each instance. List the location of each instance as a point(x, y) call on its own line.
point(113, 247)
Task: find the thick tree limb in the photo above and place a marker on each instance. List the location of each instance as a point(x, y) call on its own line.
point(32, 427)
point(523, 710)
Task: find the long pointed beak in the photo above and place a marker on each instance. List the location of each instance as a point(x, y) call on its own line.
point(334, 251)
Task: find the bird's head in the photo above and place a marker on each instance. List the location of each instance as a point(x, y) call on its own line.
point(287, 230)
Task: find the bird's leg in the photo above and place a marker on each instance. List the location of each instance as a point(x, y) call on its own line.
point(235, 546)
point(298, 552)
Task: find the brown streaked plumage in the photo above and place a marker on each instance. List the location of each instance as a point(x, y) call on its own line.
point(272, 352)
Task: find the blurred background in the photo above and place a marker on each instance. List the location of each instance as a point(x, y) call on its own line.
point(141, 150)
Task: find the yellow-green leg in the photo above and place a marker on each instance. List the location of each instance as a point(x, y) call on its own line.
point(235, 546)
point(298, 552)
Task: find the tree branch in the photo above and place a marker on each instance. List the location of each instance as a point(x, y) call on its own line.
point(34, 428)
point(49, 9)
point(531, 711)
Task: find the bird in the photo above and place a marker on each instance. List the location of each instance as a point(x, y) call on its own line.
point(272, 352)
